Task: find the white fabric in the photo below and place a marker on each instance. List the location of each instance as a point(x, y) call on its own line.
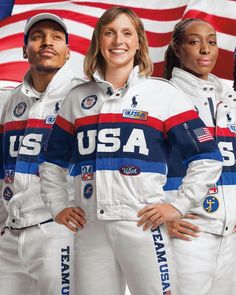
point(223, 220)
point(37, 260)
point(123, 252)
point(205, 264)
point(25, 207)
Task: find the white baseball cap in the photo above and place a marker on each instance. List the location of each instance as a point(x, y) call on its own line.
point(41, 17)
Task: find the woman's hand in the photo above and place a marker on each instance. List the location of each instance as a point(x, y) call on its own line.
point(154, 215)
point(182, 229)
point(73, 218)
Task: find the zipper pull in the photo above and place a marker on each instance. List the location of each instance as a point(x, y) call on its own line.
point(185, 125)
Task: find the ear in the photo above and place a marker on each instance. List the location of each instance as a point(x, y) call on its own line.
point(25, 55)
point(68, 52)
point(175, 49)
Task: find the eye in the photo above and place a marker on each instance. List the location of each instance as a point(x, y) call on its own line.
point(57, 37)
point(127, 33)
point(213, 42)
point(108, 33)
point(35, 37)
point(194, 42)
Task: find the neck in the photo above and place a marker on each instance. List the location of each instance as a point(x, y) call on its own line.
point(40, 80)
point(117, 77)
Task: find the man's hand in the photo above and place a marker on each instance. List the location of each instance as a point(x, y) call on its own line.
point(154, 215)
point(182, 229)
point(73, 218)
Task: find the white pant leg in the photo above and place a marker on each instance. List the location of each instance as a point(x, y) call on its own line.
point(14, 278)
point(109, 252)
point(233, 292)
point(204, 265)
point(145, 258)
point(44, 255)
point(97, 270)
point(222, 282)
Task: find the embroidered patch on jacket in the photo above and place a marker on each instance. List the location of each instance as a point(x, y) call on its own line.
point(203, 134)
point(232, 128)
point(130, 170)
point(19, 109)
point(9, 176)
point(50, 120)
point(88, 191)
point(87, 172)
point(212, 190)
point(135, 114)
point(210, 204)
point(88, 102)
point(134, 102)
point(7, 194)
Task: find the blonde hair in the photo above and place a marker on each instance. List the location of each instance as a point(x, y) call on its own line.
point(94, 60)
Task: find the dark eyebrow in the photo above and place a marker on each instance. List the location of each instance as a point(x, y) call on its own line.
point(198, 35)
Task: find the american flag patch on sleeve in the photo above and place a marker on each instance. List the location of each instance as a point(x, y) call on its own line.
point(203, 134)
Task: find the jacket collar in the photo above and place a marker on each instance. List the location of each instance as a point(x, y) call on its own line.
point(58, 82)
point(134, 78)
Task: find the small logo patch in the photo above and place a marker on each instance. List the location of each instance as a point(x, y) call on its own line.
point(232, 128)
point(57, 107)
point(50, 120)
point(88, 102)
point(7, 194)
point(135, 114)
point(19, 109)
point(130, 170)
point(88, 191)
point(210, 204)
point(87, 172)
point(134, 102)
point(203, 134)
point(212, 190)
point(9, 176)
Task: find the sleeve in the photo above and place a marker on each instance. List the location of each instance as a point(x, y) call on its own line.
point(3, 97)
point(187, 133)
point(55, 160)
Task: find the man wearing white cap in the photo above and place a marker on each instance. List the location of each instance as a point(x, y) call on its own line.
point(36, 254)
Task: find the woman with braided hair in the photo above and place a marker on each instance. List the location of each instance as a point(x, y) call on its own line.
point(203, 240)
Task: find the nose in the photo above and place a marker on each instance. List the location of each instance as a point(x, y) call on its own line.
point(118, 38)
point(47, 40)
point(205, 49)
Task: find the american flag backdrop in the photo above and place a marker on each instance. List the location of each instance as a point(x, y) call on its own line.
point(159, 18)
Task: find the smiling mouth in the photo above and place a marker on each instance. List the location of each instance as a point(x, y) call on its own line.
point(118, 51)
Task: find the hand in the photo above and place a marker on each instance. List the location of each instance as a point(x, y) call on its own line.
point(154, 215)
point(182, 229)
point(73, 218)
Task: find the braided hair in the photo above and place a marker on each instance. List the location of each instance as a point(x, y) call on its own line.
point(171, 59)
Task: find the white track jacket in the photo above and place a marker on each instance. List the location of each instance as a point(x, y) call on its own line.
point(118, 141)
point(216, 104)
point(25, 127)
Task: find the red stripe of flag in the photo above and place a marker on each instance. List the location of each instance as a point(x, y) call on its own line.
point(148, 13)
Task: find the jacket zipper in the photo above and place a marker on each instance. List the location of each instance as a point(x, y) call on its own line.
point(193, 140)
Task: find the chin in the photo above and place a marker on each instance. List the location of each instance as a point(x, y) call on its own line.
point(47, 68)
